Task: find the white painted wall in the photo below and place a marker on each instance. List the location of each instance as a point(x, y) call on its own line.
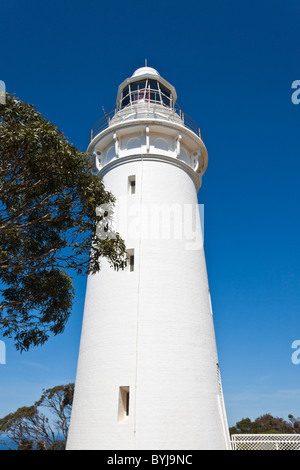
point(152, 330)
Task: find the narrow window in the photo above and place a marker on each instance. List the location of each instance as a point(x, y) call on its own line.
point(130, 260)
point(132, 187)
point(131, 184)
point(124, 396)
point(127, 403)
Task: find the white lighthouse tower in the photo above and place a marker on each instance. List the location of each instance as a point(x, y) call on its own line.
point(148, 374)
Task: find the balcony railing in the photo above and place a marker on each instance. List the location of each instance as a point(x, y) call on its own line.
point(148, 109)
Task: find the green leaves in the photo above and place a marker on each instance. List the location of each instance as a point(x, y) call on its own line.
point(267, 424)
point(48, 201)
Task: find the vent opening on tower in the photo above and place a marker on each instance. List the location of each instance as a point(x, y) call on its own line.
point(124, 396)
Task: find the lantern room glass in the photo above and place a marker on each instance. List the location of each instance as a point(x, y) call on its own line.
point(146, 91)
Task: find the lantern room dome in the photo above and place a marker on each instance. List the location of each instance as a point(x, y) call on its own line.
point(145, 70)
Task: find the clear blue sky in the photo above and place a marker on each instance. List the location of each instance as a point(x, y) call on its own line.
point(232, 64)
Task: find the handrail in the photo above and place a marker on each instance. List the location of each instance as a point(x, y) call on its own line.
point(105, 122)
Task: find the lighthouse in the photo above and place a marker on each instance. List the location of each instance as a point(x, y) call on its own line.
point(148, 371)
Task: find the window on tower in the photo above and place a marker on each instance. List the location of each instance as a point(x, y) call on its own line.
point(125, 97)
point(165, 95)
point(123, 411)
point(130, 260)
point(131, 184)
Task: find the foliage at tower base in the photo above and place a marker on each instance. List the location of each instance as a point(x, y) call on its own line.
point(48, 224)
point(29, 429)
point(267, 424)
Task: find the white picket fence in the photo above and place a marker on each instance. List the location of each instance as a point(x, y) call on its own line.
point(265, 442)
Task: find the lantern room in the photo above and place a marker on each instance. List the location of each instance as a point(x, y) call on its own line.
point(146, 86)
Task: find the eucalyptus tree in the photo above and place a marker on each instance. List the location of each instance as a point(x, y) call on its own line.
point(48, 224)
point(28, 428)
